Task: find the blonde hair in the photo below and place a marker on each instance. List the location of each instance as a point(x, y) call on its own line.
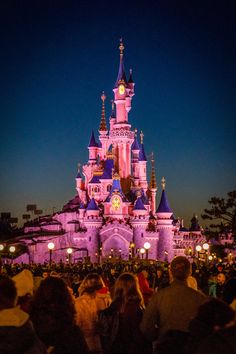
point(127, 289)
point(91, 283)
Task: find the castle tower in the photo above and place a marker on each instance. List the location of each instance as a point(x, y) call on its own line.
point(103, 137)
point(165, 227)
point(142, 165)
point(153, 187)
point(121, 135)
point(135, 159)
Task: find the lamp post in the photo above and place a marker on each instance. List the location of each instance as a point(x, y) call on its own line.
point(12, 249)
point(132, 245)
point(198, 249)
point(146, 247)
point(206, 247)
point(69, 252)
point(50, 247)
point(142, 251)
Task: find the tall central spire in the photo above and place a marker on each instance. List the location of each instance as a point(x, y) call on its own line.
point(103, 126)
point(121, 73)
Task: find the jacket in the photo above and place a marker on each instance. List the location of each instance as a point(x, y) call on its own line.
point(171, 308)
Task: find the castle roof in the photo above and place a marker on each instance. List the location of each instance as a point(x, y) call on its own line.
point(121, 73)
point(78, 175)
point(92, 142)
point(107, 173)
point(116, 188)
point(135, 144)
point(139, 204)
point(142, 155)
point(164, 204)
point(95, 179)
point(92, 205)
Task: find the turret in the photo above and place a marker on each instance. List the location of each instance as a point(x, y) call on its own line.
point(93, 149)
point(165, 227)
point(103, 137)
point(135, 149)
point(142, 165)
point(113, 115)
point(79, 180)
point(153, 187)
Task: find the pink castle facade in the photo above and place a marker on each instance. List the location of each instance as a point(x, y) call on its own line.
point(114, 212)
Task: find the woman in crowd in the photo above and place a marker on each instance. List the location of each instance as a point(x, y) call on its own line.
point(93, 297)
point(126, 310)
point(53, 316)
point(16, 331)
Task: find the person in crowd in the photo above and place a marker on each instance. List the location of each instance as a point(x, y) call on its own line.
point(229, 293)
point(126, 310)
point(217, 288)
point(161, 279)
point(212, 316)
point(53, 316)
point(173, 307)
point(16, 331)
point(24, 282)
point(91, 299)
point(145, 288)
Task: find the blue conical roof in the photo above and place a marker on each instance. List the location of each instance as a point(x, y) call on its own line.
point(164, 204)
point(142, 155)
point(92, 205)
point(139, 204)
point(135, 144)
point(78, 175)
point(92, 142)
point(116, 188)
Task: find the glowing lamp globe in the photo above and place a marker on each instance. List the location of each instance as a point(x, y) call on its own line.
point(1, 247)
point(142, 250)
point(12, 249)
point(198, 248)
point(69, 250)
point(146, 245)
point(51, 246)
point(210, 258)
point(205, 246)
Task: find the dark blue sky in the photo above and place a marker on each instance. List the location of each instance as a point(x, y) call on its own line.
point(58, 56)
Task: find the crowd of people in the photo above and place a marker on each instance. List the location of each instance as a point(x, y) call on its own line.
point(130, 307)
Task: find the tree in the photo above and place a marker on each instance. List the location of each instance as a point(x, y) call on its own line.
point(222, 214)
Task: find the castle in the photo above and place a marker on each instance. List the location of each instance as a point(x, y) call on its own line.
point(114, 213)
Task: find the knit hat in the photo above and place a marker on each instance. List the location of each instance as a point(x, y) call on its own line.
point(24, 282)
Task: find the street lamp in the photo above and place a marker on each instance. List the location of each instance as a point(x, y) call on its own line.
point(1, 247)
point(210, 258)
point(12, 249)
point(146, 247)
point(132, 245)
point(142, 251)
point(205, 246)
point(50, 247)
point(69, 252)
point(198, 249)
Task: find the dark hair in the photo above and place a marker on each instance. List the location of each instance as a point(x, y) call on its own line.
point(180, 268)
point(7, 292)
point(229, 291)
point(54, 297)
point(215, 312)
point(127, 289)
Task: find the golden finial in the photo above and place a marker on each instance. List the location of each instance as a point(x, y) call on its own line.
point(79, 165)
point(121, 47)
point(141, 136)
point(103, 126)
point(130, 71)
point(135, 132)
point(163, 183)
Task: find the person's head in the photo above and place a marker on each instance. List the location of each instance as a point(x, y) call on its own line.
point(215, 314)
point(180, 268)
point(220, 278)
point(159, 272)
point(91, 283)
point(54, 299)
point(8, 292)
point(127, 289)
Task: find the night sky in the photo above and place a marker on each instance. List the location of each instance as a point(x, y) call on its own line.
point(58, 56)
